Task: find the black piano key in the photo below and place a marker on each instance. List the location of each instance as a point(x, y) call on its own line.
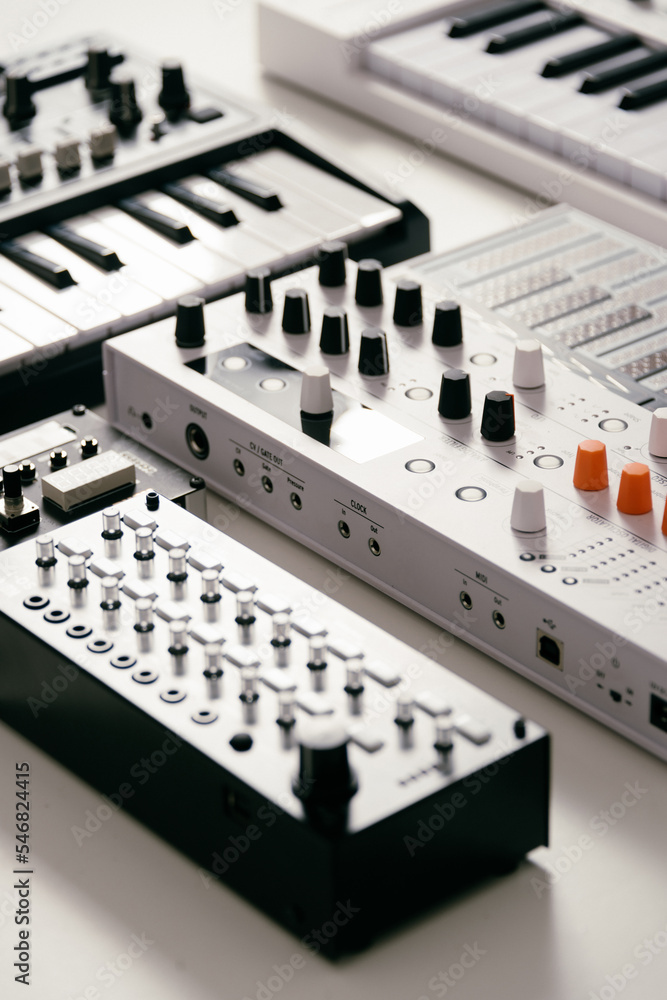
point(265, 197)
point(643, 96)
point(47, 270)
point(595, 83)
point(97, 254)
point(536, 32)
point(210, 209)
point(593, 54)
point(162, 224)
point(461, 27)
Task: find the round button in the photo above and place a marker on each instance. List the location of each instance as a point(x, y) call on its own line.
point(418, 392)
point(527, 556)
point(548, 569)
point(241, 742)
point(570, 580)
point(272, 384)
point(420, 465)
point(483, 359)
point(235, 363)
point(471, 493)
point(548, 462)
point(613, 425)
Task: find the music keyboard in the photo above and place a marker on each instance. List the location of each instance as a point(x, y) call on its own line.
point(569, 101)
point(114, 203)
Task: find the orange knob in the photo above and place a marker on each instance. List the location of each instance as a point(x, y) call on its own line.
point(634, 493)
point(590, 468)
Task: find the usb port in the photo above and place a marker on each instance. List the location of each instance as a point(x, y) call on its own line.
point(550, 649)
point(658, 716)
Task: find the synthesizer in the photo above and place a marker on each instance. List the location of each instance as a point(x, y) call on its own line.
point(567, 100)
point(480, 434)
point(329, 762)
point(56, 471)
point(125, 184)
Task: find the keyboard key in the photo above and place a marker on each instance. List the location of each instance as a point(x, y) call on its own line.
point(462, 27)
point(595, 83)
point(97, 254)
point(562, 65)
point(214, 211)
point(552, 25)
point(641, 97)
point(258, 194)
point(47, 270)
point(163, 224)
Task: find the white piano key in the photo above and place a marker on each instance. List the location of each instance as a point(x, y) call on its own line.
point(211, 270)
point(13, 349)
point(371, 211)
point(279, 229)
point(142, 266)
point(239, 246)
point(644, 133)
point(71, 304)
point(332, 222)
point(114, 288)
point(30, 321)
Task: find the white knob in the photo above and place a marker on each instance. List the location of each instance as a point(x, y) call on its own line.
point(316, 394)
point(68, 156)
point(528, 513)
point(657, 441)
point(103, 141)
point(528, 365)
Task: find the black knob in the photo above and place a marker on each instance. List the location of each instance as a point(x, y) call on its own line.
point(324, 775)
point(447, 329)
point(174, 96)
point(190, 331)
point(89, 447)
point(296, 313)
point(332, 256)
point(19, 105)
point(258, 291)
point(335, 337)
point(369, 283)
point(98, 69)
point(11, 479)
point(454, 402)
point(28, 472)
point(124, 112)
point(373, 356)
point(58, 458)
point(408, 303)
point(498, 416)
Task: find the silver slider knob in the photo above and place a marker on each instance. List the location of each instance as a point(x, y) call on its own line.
point(111, 532)
point(245, 615)
point(286, 709)
point(249, 695)
point(213, 669)
point(354, 686)
point(77, 575)
point(211, 596)
point(178, 573)
point(281, 642)
point(110, 603)
point(178, 646)
point(46, 560)
point(528, 513)
point(144, 551)
point(405, 710)
point(317, 661)
point(528, 365)
point(144, 624)
point(444, 744)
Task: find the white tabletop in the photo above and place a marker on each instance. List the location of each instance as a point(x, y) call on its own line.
point(585, 918)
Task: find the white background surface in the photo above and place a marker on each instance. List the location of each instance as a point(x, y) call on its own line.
point(561, 928)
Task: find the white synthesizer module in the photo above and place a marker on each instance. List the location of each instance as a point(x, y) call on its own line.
point(480, 434)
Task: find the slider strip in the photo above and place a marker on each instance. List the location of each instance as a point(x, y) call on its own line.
point(54, 274)
point(97, 254)
point(250, 190)
point(163, 224)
